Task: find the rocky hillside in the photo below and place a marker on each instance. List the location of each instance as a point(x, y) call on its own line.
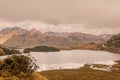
point(106, 36)
point(8, 33)
point(17, 37)
point(78, 37)
point(36, 38)
point(114, 41)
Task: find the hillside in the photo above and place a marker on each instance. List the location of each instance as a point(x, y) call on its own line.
point(36, 38)
point(78, 37)
point(84, 73)
point(17, 37)
point(114, 41)
point(7, 51)
point(106, 36)
point(8, 33)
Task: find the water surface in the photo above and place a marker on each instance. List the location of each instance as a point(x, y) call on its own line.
point(72, 59)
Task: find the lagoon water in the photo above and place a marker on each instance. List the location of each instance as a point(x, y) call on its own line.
point(72, 59)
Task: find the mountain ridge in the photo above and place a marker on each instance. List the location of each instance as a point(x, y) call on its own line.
point(18, 37)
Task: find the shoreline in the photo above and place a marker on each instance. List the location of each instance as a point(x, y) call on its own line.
point(51, 67)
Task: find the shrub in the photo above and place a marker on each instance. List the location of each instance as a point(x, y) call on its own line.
point(17, 65)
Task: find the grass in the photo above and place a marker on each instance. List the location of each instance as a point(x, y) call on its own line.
point(84, 73)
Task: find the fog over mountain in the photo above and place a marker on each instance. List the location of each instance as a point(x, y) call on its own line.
point(89, 16)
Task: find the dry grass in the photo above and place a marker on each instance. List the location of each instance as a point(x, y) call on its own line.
point(84, 73)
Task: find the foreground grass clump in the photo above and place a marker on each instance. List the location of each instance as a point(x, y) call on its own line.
point(40, 49)
point(18, 68)
point(84, 73)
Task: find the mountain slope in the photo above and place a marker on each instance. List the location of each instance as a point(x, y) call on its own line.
point(36, 38)
point(85, 38)
point(78, 37)
point(8, 33)
point(33, 37)
point(114, 41)
point(106, 36)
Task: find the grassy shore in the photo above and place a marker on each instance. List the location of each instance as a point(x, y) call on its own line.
point(84, 73)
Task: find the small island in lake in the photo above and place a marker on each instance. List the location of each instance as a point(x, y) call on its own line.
point(41, 49)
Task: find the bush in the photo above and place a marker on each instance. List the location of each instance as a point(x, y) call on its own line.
point(17, 65)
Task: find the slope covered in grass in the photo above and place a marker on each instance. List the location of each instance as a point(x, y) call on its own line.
point(84, 73)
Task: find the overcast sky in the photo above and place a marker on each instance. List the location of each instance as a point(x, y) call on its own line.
point(90, 16)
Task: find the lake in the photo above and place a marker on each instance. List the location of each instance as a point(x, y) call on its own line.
point(72, 59)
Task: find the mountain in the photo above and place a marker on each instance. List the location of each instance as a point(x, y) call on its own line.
point(8, 33)
point(114, 41)
point(106, 36)
point(63, 34)
point(85, 38)
point(8, 30)
point(17, 37)
point(36, 38)
point(78, 37)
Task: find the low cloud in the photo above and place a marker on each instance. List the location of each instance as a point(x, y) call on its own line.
point(89, 16)
point(43, 27)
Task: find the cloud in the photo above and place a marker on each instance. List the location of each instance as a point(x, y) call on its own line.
point(43, 27)
point(91, 16)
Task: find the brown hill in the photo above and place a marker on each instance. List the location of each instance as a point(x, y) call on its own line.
point(8, 33)
point(17, 37)
point(36, 38)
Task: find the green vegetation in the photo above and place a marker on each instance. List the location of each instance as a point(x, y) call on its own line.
point(40, 49)
point(84, 73)
point(7, 51)
point(18, 68)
